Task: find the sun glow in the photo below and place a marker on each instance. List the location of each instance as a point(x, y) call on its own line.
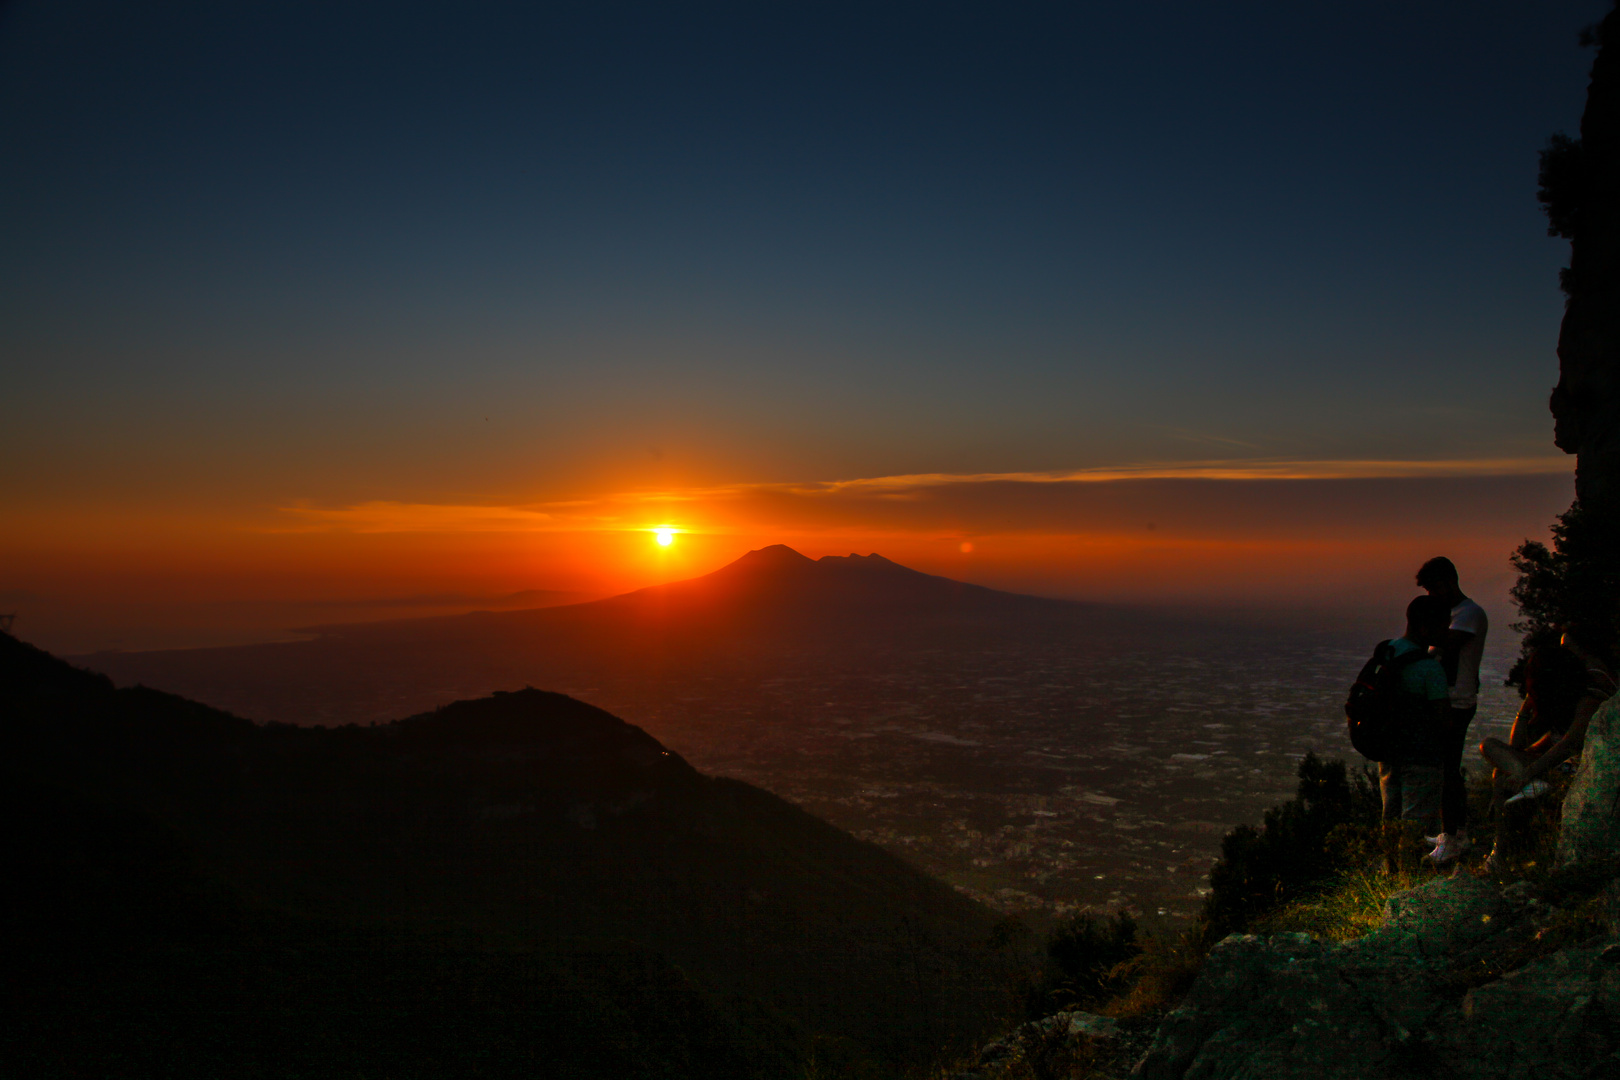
point(664, 535)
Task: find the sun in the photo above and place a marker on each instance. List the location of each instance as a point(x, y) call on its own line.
point(665, 536)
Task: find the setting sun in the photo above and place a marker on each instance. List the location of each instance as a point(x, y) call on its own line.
point(665, 536)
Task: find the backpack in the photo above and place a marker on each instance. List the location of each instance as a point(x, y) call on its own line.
point(1381, 714)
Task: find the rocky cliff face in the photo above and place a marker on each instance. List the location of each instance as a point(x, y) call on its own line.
point(1581, 190)
point(1589, 832)
point(1416, 998)
point(1465, 978)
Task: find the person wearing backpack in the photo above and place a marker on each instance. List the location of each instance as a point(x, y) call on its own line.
point(1410, 780)
point(1459, 656)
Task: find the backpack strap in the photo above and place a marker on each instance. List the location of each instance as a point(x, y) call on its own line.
point(1399, 663)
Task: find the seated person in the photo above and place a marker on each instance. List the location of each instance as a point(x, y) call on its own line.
point(1564, 685)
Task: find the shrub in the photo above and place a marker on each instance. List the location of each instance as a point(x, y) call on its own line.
point(1088, 953)
point(1160, 976)
point(1261, 869)
point(1577, 580)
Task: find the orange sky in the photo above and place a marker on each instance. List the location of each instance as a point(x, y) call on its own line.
point(1290, 535)
point(295, 333)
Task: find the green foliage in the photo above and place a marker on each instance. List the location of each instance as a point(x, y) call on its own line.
point(1563, 185)
point(1263, 869)
point(1576, 581)
point(1088, 955)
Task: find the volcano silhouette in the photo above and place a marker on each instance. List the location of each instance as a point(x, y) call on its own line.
point(778, 586)
point(772, 602)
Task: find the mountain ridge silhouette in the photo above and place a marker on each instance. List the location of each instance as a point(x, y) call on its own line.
point(525, 822)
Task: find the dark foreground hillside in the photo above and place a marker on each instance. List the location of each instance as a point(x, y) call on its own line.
point(521, 884)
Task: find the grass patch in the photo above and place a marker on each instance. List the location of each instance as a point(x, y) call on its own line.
point(1351, 906)
point(1159, 976)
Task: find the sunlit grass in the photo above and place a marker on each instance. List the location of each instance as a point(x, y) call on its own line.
point(1353, 905)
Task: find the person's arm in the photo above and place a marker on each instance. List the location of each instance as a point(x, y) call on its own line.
point(1526, 727)
point(1571, 742)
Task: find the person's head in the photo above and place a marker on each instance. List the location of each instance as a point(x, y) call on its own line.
point(1427, 620)
point(1588, 642)
point(1438, 577)
point(1571, 638)
point(1554, 680)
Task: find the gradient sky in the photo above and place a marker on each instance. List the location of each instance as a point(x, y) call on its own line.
point(342, 300)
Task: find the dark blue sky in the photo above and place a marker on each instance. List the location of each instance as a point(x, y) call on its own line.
point(277, 251)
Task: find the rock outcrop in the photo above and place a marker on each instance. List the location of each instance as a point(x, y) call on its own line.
point(1589, 831)
point(1422, 996)
point(1463, 979)
point(1581, 189)
point(1590, 825)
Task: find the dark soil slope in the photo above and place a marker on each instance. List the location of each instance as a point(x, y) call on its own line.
point(525, 850)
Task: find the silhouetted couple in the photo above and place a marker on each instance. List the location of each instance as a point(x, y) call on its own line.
point(1424, 782)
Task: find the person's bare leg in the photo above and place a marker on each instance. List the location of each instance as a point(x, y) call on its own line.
point(1506, 758)
point(1508, 777)
point(1537, 748)
point(1504, 783)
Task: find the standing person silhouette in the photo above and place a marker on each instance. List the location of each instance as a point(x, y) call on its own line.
point(1459, 656)
point(1410, 781)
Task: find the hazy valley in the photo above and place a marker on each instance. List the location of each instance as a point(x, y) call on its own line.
point(1037, 754)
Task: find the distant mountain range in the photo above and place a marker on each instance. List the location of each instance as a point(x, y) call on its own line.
point(779, 588)
point(773, 590)
point(770, 602)
point(517, 884)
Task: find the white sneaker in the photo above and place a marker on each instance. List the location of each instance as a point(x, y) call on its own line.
point(1448, 848)
point(1533, 790)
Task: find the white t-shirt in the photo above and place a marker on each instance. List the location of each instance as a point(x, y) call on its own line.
point(1470, 617)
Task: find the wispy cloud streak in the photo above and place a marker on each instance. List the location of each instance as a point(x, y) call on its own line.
point(1009, 501)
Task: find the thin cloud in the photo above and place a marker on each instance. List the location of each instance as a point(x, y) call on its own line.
point(394, 517)
point(785, 504)
point(1234, 469)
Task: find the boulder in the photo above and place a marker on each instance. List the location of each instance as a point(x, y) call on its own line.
point(1418, 997)
point(1554, 1018)
point(1590, 827)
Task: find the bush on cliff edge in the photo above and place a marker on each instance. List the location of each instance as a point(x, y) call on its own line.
point(1262, 869)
